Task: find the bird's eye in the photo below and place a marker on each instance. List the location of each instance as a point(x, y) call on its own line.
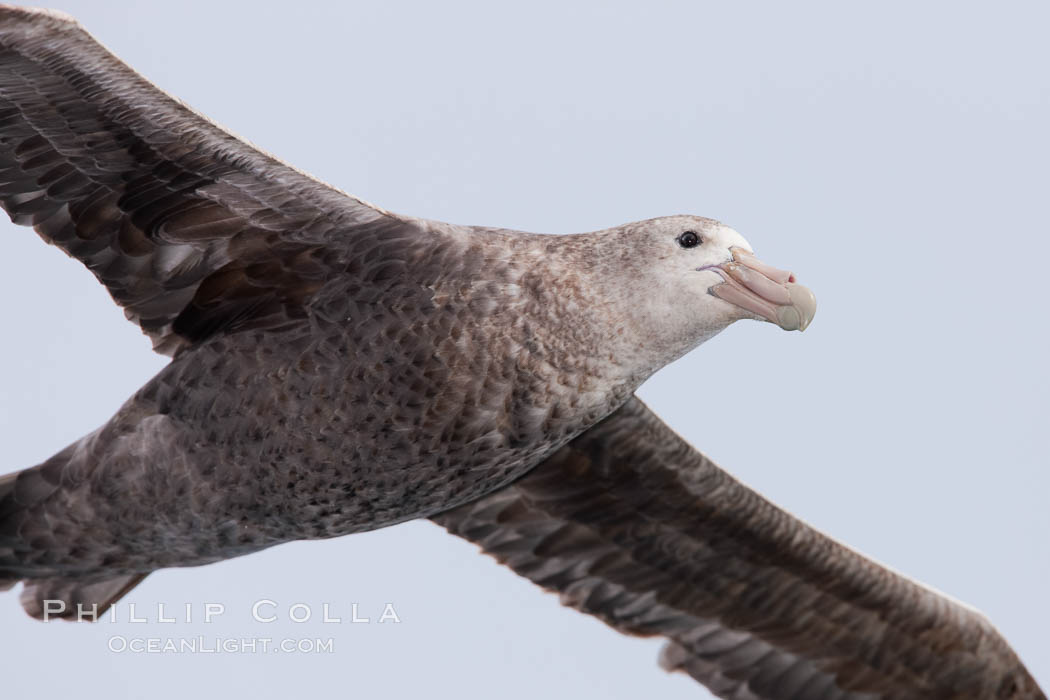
point(689, 239)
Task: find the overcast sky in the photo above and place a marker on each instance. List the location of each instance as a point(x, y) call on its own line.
point(894, 157)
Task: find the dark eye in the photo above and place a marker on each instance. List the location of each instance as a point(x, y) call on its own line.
point(689, 239)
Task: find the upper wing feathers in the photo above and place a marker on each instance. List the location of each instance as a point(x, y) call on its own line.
point(190, 228)
point(631, 524)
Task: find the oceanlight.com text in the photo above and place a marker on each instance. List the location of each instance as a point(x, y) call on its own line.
point(121, 644)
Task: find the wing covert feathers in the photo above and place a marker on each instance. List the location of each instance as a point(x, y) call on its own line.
point(630, 524)
point(190, 229)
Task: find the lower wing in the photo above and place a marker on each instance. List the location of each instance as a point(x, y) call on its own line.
point(631, 524)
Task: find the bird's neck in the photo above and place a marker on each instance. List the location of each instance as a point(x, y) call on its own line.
point(571, 320)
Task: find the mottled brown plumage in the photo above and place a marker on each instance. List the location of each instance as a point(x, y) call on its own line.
point(338, 368)
point(631, 524)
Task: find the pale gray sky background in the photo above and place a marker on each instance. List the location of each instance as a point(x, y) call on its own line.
point(894, 156)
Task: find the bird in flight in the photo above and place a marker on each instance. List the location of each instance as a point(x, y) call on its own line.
point(338, 368)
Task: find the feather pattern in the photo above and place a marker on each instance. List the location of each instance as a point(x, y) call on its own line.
point(631, 524)
point(190, 229)
point(337, 368)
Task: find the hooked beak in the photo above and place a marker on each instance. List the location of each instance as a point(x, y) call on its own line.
point(765, 291)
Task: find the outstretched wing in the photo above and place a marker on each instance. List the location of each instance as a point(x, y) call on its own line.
point(189, 228)
point(631, 524)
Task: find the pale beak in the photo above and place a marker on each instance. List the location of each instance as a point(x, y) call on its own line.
point(765, 291)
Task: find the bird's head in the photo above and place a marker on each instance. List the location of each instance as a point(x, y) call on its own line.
point(686, 278)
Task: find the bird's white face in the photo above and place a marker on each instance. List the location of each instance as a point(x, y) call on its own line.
point(697, 276)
